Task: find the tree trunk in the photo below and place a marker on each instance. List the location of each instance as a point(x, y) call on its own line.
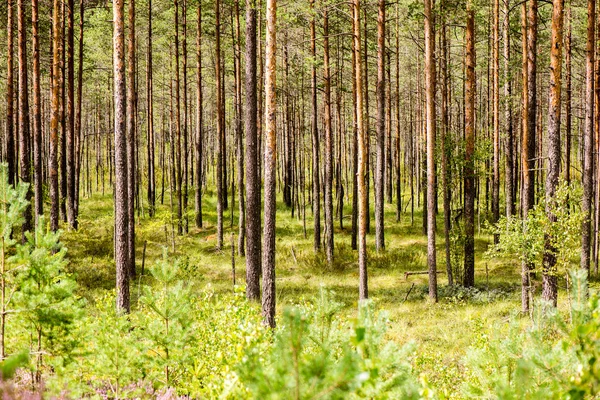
point(150, 117)
point(588, 136)
point(220, 128)
point(54, 117)
point(469, 169)
point(446, 194)
point(363, 289)
point(199, 119)
point(380, 162)
point(568, 99)
point(253, 187)
point(550, 277)
point(430, 121)
point(121, 206)
point(37, 114)
point(10, 128)
point(496, 115)
point(268, 256)
point(328, 142)
point(510, 141)
point(239, 133)
point(23, 112)
point(131, 111)
point(316, 186)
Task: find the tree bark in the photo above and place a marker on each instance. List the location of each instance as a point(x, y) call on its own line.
point(55, 116)
point(199, 119)
point(37, 113)
point(253, 237)
point(316, 186)
point(550, 277)
point(131, 129)
point(588, 136)
point(10, 128)
point(150, 117)
point(430, 121)
point(363, 288)
point(268, 256)
point(496, 115)
point(23, 113)
point(380, 161)
point(220, 128)
point(510, 141)
point(469, 169)
point(121, 166)
point(328, 142)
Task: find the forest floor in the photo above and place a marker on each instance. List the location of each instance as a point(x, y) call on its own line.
point(442, 332)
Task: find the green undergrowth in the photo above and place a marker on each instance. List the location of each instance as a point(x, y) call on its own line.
point(442, 333)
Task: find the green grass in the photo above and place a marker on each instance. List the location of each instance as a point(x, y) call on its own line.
point(443, 331)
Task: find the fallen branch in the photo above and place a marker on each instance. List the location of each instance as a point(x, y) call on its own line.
point(409, 273)
point(407, 293)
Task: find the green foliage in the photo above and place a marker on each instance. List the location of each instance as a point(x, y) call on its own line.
point(315, 356)
point(46, 297)
point(525, 239)
point(556, 357)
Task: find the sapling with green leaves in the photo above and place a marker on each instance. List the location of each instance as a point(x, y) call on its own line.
point(46, 298)
point(525, 239)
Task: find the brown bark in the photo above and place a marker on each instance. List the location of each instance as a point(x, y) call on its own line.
point(131, 129)
point(239, 134)
point(328, 142)
point(70, 112)
point(380, 161)
point(469, 169)
point(37, 113)
point(568, 99)
point(510, 141)
point(363, 290)
point(199, 119)
point(23, 115)
point(253, 237)
point(220, 128)
point(120, 135)
point(496, 114)
point(150, 118)
point(430, 127)
point(316, 186)
point(588, 136)
point(10, 128)
point(268, 256)
point(444, 147)
point(54, 116)
point(550, 277)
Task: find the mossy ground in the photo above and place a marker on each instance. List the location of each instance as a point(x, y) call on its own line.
point(442, 332)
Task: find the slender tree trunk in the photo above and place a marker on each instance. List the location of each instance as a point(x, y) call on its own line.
point(78, 127)
point(10, 128)
point(469, 169)
point(70, 112)
point(239, 134)
point(131, 111)
point(363, 154)
point(510, 141)
point(568, 99)
point(430, 121)
point(496, 115)
point(178, 149)
point(316, 186)
point(54, 116)
point(253, 239)
point(184, 149)
point(37, 113)
point(380, 162)
point(121, 206)
point(23, 113)
point(268, 256)
point(550, 277)
point(220, 128)
point(445, 150)
point(588, 136)
point(150, 117)
point(199, 119)
point(328, 142)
